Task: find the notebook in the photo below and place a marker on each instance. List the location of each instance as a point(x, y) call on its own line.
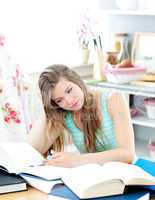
point(148, 166)
point(11, 183)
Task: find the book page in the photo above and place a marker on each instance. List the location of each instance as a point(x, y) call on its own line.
point(41, 184)
point(5, 161)
point(20, 154)
point(125, 172)
point(47, 172)
point(81, 178)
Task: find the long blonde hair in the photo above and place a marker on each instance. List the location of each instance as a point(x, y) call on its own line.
point(56, 116)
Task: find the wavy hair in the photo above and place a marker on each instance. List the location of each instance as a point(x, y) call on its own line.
point(55, 115)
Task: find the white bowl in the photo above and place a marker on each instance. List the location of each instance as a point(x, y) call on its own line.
point(123, 75)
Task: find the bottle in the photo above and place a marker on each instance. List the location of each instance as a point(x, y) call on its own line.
point(117, 43)
point(121, 45)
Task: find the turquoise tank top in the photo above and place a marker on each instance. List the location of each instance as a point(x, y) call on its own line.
point(105, 140)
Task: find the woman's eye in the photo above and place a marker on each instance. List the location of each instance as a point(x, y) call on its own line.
point(58, 101)
point(69, 90)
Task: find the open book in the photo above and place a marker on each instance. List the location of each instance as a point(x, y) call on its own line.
point(86, 181)
point(22, 158)
point(93, 180)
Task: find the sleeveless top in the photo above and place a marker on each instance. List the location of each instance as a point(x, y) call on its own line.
point(105, 136)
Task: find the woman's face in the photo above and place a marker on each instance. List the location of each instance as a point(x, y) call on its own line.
point(68, 95)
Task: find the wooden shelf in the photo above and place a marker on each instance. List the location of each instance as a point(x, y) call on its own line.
point(144, 121)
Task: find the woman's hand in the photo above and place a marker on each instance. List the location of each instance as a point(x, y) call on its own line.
point(64, 159)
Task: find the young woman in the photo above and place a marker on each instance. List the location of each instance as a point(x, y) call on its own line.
point(98, 122)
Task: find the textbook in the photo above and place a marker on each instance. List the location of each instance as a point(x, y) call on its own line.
point(21, 158)
point(148, 166)
point(86, 181)
point(11, 183)
point(112, 178)
point(64, 192)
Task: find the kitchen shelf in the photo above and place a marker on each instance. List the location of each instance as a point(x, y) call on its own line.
point(133, 90)
point(131, 21)
point(144, 121)
point(126, 88)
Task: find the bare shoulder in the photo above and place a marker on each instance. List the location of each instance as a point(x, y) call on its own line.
point(116, 100)
point(115, 95)
point(97, 94)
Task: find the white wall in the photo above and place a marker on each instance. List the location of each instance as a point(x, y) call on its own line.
point(42, 32)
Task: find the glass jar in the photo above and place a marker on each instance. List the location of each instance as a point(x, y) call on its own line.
point(111, 57)
point(121, 46)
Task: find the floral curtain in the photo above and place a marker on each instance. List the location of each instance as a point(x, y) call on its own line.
point(15, 121)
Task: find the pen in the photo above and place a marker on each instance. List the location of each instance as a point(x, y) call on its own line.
point(49, 157)
point(50, 153)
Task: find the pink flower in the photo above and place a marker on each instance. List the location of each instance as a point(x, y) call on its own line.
point(7, 119)
point(85, 30)
point(17, 121)
point(11, 114)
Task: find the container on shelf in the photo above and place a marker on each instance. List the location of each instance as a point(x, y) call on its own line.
point(121, 46)
point(134, 112)
point(117, 43)
point(150, 107)
point(151, 148)
point(84, 56)
point(111, 57)
point(98, 73)
point(122, 75)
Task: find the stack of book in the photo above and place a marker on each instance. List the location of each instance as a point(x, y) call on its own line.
point(11, 182)
point(104, 181)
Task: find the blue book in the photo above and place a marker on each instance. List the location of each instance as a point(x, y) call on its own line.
point(110, 179)
point(148, 166)
point(64, 192)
